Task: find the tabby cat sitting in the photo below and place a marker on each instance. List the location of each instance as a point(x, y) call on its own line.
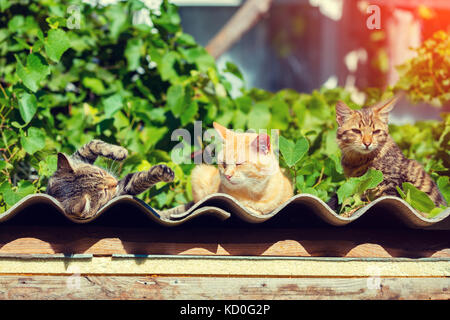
point(83, 188)
point(247, 169)
point(363, 137)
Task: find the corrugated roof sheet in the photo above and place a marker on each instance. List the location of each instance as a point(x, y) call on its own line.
point(223, 207)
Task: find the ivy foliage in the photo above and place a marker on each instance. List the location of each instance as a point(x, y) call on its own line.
point(426, 77)
point(133, 84)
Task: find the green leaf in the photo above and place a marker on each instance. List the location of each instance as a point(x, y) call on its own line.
point(166, 67)
point(96, 85)
point(25, 188)
point(293, 152)
point(34, 72)
point(234, 70)
point(152, 135)
point(133, 53)
point(186, 39)
point(244, 103)
point(444, 186)
point(200, 57)
point(280, 115)
point(117, 20)
point(27, 106)
point(16, 23)
point(419, 200)
point(9, 195)
point(175, 99)
point(34, 141)
point(56, 44)
point(55, 22)
point(401, 193)
point(48, 166)
point(5, 4)
point(435, 212)
point(369, 181)
point(259, 117)
point(358, 185)
point(189, 114)
point(161, 198)
point(5, 165)
point(112, 104)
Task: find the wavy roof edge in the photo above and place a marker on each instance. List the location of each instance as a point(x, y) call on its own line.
point(223, 206)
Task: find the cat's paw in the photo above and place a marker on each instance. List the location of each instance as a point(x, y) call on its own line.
point(121, 154)
point(165, 173)
point(116, 153)
point(107, 150)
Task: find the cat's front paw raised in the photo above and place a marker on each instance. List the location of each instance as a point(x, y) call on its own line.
point(121, 154)
point(116, 153)
point(99, 147)
point(164, 173)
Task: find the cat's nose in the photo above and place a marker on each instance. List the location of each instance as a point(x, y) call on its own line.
point(228, 176)
point(367, 142)
point(111, 182)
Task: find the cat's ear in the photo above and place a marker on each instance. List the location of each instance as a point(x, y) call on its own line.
point(64, 163)
point(221, 130)
point(262, 143)
point(383, 108)
point(343, 112)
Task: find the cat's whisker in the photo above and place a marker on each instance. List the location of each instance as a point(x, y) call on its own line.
point(112, 169)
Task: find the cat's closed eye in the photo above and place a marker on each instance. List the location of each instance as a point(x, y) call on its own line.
point(356, 131)
point(376, 131)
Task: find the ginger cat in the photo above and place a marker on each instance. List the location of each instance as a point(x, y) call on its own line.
point(248, 170)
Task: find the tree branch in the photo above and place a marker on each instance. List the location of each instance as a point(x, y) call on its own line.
point(241, 22)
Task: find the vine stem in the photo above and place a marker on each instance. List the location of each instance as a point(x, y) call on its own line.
point(295, 178)
point(3, 90)
point(320, 178)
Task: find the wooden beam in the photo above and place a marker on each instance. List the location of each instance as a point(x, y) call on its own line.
point(209, 288)
point(228, 266)
point(241, 22)
point(214, 241)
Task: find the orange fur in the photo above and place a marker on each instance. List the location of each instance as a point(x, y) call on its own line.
point(251, 175)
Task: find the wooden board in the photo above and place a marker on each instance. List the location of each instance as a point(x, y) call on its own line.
point(205, 288)
point(329, 242)
point(226, 266)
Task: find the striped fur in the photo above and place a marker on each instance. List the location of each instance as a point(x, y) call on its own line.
point(83, 188)
point(248, 171)
point(363, 136)
point(90, 151)
point(136, 183)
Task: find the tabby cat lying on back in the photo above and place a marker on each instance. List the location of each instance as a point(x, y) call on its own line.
point(247, 170)
point(365, 142)
point(83, 188)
